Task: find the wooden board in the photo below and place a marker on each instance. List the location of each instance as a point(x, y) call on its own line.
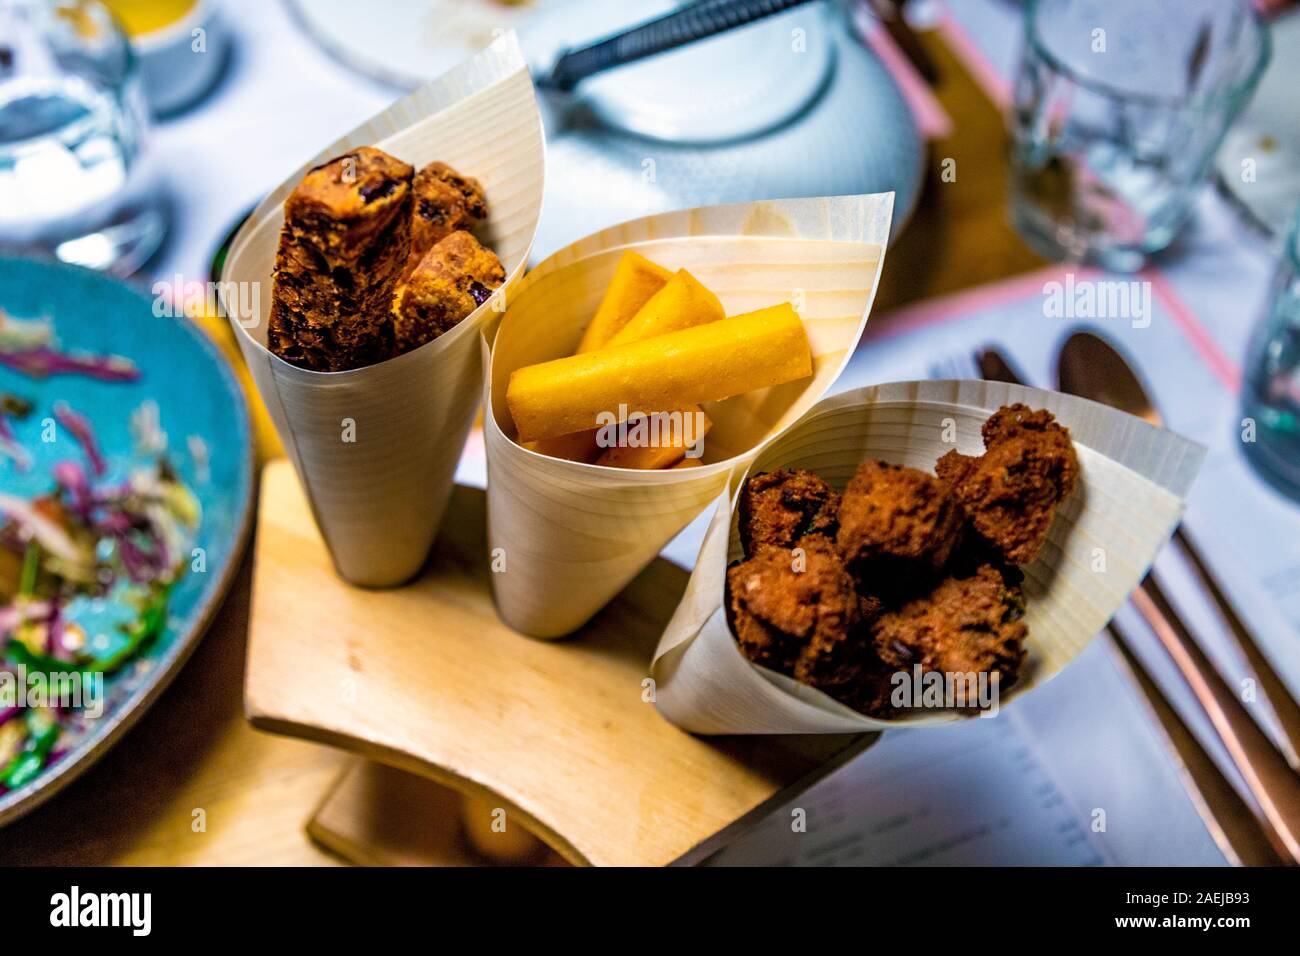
point(375, 815)
point(557, 734)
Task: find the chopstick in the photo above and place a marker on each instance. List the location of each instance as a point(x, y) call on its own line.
point(1231, 820)
point(1269, 778)
point(1275, 689)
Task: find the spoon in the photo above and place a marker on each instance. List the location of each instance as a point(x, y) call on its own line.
point(1090, 367)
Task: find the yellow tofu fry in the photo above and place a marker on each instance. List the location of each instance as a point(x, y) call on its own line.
point(701, 364)
point(679, 302)
point(578, 446)
point(682, 303)
point(636, 279)
point(674, 435)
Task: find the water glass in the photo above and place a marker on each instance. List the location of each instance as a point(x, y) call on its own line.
point(1271, 387)
point(1119, 107)
point(74, 177)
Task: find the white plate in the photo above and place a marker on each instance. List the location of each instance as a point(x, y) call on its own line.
point(406, 42)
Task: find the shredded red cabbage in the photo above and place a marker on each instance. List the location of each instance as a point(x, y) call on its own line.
point(84, 433)
point(44, 361)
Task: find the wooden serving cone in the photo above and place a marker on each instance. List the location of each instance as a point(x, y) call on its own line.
point(376, 447)
point(1134, 480)
point(566, 536)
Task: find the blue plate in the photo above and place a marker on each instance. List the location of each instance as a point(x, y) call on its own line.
point(197, 397)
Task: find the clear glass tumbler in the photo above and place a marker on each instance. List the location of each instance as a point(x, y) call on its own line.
point(1119, 107)
point(1271, 388)
point(74, 177)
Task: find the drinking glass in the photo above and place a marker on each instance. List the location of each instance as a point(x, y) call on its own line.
point(1271, 387)
point(74, 176)
point(1119, 107)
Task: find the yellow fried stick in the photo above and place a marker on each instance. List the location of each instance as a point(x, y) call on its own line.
point(636, 279)
point(678, 430)
point(678, 302)
point(683, 302)
point(701, 364)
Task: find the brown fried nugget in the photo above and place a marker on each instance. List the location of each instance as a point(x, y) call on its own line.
point(342, 248)
point(778, 508)
point(898, 527)
point(454, 278)
point(445, 201)
point(1010, 493)
point(969, 623)
point(797, 612)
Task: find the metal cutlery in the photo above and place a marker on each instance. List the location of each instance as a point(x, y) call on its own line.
point(1091, 367)
point(1244, 835)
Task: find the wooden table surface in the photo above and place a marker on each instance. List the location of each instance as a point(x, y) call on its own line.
point(193, 783)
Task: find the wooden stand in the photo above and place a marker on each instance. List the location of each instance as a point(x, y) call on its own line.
point(557, 736)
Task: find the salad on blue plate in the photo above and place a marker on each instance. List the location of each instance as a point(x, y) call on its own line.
point(86, 566)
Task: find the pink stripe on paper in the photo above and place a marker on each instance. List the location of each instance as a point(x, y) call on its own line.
point(931, 118)
point(958, 304)
point(994, 84)
point(1202, 341)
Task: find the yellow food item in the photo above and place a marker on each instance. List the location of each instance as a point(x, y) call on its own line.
point(682, 303)
point(635, 280)
point(643, 299)
point(141, 17)
point(579, 446)
point(689, 463)
point(701, 364)
point(674, 437)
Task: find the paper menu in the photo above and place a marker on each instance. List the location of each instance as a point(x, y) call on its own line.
point(976, 793)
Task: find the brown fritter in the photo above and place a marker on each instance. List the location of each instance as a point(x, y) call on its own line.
point(445, 201)
point(968, 624)
point(778, 508)
point(454, 278)
point(800, 615)
point(1010, 493)
point(898, 527)
point(343, 246)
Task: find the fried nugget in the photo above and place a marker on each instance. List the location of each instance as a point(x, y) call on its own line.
point(778, 508)
point(898, 527)
point(342, 249)
point(454, 278)
point(1010, 493)
point(799, 614)
point(445, 201)
point(970, 623)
